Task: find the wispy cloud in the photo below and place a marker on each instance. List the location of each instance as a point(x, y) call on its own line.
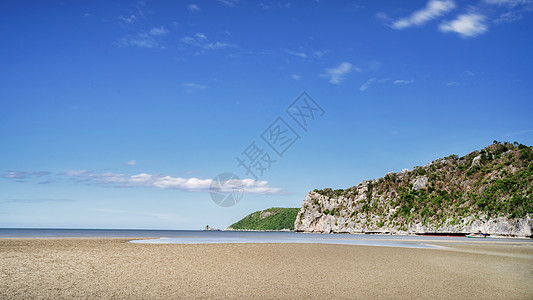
point(128, 19)
point(519, 132)
point(191, 87)
point(168, 182)
point(371, 81)
point(296, 76)
point(24, 174)
point(319, 53)
point(509, 3)
point(365, 85)
point(467, 25)
point(46, 182)
point(472, 22)
point(515, 10)
point(336, 75)
point(433, 9)
point(508, 17)
point(77, 173)
point(141, 40)
point(193, 7)
point(402, 81)
point(201, 40)
point(274, 5)
point(131, 18)
point(131, 162)
point(229, 3)
point(295, 53)
point(148, 37)
point(32, 201)
point(158, 31)
point(118, 180)
point(453, 83)
point(306, 53)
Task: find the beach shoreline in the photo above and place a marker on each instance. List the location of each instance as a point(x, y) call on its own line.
point(495, 236)
point(33, 268)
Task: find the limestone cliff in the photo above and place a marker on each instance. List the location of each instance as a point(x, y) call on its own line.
point(488, 191)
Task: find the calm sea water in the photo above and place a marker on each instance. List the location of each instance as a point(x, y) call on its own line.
point(65, 233)
point(201, 237)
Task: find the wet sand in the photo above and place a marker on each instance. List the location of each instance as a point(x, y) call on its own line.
point(112, 268)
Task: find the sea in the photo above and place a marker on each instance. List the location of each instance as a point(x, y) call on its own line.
point(146, 236)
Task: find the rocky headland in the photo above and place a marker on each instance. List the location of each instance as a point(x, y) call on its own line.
point(488, 191)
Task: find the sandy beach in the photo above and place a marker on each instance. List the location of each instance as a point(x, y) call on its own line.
point(111, 268)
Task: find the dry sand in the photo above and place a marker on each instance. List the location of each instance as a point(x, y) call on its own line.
point(112, 268)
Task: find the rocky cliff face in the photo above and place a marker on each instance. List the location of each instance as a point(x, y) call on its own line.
point(350, 220)
point(488, 191)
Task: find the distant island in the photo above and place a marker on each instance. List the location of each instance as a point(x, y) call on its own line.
point(275, 218)
point(488, 191)
point(209, 228)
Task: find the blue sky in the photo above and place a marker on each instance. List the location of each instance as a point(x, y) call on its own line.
point(118, 115)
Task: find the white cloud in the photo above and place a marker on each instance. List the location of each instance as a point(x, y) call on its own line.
point(110, 179)
point(24, 174)
point(515, 9)
point(129, 20)
point(230, 3)
point(519, 132)
point(141, 40)
point(336, 75)
point(159, 31)
point(508, 17)
point(78, 173)
point(194, 86)
point(467, 25)
point(193, 7)
point(401, 81)
point(453, 83)
point(299, 54)
point(433, 9)
point(139, 6)
point(168, 182)
point(201, 40)
point(319, 54)
point(510, 3)
point(42, 200)
point(365, 85)
point(383, 16)
point(131, 163)
point(274, 5)
point(296, 77)
point(143, 177)
point(373, 81)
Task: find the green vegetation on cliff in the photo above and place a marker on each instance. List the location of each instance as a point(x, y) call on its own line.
point(276, 218)
point(495, 181)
